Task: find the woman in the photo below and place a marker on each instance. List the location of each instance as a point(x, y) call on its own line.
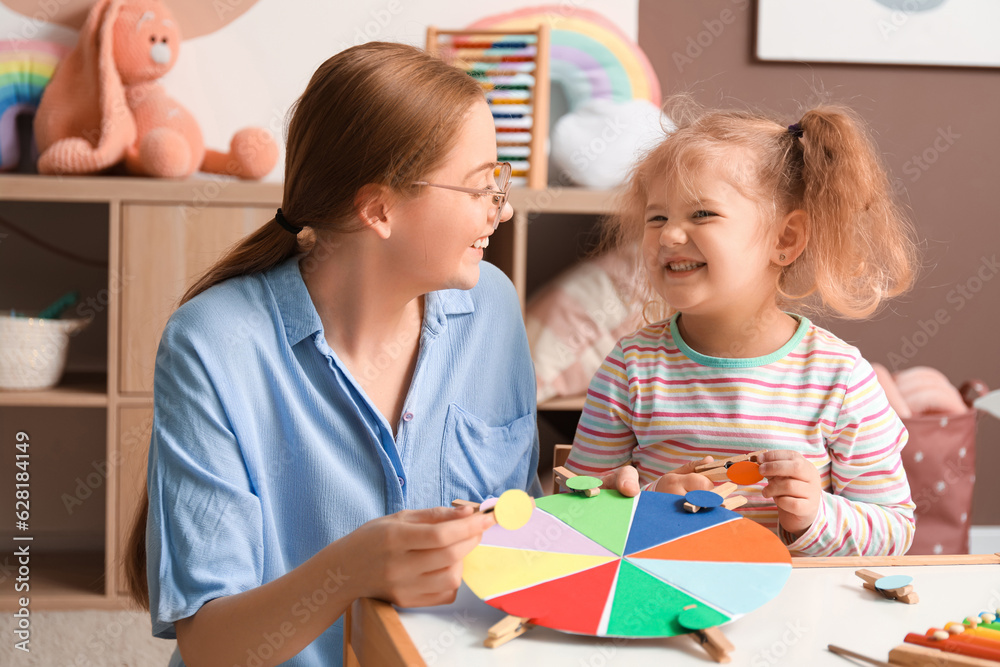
point(319, 403)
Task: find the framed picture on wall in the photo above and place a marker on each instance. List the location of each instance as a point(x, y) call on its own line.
point(897, 32)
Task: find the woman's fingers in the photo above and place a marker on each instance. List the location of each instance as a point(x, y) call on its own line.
point(425, 561)
point(434, 514)
point(438, 534)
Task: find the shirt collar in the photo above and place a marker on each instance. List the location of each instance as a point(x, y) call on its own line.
point(299, 316)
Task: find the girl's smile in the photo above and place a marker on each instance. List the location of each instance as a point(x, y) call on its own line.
point(706, 246)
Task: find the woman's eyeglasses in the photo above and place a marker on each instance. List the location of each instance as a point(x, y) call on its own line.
point(499, 195)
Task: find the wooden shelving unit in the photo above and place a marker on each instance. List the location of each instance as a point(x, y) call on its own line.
point(75, 390)
point(161, 236)
point(567, 403)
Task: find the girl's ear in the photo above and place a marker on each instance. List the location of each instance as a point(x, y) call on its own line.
point(793, 234)
point(372, 205)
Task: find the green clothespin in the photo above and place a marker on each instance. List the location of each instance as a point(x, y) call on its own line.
point(60, 304)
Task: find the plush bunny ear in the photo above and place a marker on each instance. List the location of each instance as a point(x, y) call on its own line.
point(83, 123)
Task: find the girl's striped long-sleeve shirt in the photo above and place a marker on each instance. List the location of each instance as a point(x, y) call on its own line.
point(658, 404)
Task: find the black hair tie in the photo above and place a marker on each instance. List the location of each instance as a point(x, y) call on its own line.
point(795, 130)
point(280, 218)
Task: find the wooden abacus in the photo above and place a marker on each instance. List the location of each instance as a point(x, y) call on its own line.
point(513, 69)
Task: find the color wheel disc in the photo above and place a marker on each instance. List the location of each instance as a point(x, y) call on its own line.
point(613, 566)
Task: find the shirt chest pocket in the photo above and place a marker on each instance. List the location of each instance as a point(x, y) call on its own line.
point(481, 460)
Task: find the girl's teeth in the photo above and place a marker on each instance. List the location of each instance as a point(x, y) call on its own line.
point(481, 243)
point(684, 266)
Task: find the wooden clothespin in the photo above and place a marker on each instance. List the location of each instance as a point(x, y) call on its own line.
point(710, 637)
point(563, 477)
point(512, 509)
point(506, 629)
point(895, 587)
point(718, 471)
point(697, 500)
point(715, 643)
point(463, 503)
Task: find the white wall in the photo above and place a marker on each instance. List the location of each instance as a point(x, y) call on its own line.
point(251, 71)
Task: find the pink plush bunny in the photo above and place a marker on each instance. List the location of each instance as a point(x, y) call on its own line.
point(104, 106)
point(920, 391)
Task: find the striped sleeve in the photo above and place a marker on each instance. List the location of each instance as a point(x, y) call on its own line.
point(604, 438)
point(869, 511)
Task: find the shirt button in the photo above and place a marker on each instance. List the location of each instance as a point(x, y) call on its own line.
point(401, 481)
point(407, 416)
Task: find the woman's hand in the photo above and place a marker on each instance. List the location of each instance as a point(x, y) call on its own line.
point(414, 558)
point(793, 483)
point(625, 480)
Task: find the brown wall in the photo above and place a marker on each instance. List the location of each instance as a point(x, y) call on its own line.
point(954, 202)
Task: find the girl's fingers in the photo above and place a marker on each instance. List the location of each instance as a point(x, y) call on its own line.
point(681, 484)
point(798, 468)
point(788, 487)
point(625, 480)
point(795, 506)
point(691, 465)
point(780, 469)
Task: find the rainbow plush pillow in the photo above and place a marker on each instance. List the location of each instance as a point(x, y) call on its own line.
point(26, 67)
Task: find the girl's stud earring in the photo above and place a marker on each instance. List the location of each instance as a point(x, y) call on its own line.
point(781, 257)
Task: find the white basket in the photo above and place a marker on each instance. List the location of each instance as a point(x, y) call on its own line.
point(33, 350)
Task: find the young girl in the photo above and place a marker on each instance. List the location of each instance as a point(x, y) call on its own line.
point(740, 219)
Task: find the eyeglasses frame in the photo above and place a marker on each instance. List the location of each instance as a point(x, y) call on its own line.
point(502, 193)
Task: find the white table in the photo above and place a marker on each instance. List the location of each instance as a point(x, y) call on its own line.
point(817, 607)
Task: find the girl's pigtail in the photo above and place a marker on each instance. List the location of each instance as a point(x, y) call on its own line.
point(861, 249)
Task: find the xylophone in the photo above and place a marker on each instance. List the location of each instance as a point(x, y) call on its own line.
point(976, 637)
point(975, 642)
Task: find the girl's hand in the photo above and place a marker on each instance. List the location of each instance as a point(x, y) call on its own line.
point(624, 480)
point(793, 483)
point(414, 558)
point(685, 479)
